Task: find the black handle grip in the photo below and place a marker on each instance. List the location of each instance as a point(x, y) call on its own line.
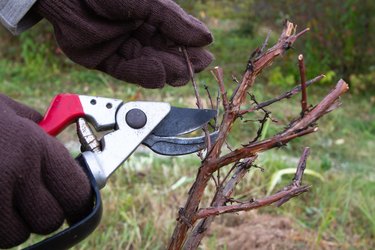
point(79, 231)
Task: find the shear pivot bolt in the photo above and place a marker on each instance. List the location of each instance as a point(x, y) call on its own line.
point(136, 118)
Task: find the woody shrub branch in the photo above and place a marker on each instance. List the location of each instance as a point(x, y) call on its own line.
point(193, 220)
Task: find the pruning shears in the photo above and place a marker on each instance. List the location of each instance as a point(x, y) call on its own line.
point(126, 125)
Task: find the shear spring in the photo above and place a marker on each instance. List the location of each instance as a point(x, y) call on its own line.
point(87, 138)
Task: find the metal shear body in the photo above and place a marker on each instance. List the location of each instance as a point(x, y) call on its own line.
point(154, 124)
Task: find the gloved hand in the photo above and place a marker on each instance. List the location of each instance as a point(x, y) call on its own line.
point(40, 184)
point(138, 41)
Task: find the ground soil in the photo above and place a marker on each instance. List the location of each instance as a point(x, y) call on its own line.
point(262, 232)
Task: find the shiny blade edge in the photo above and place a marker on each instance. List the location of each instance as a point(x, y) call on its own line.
point(181, 121)
point(174, 146)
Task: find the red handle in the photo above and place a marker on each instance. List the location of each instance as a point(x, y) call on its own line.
point(63, 110)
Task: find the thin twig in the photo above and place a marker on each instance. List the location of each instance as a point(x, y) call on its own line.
point(238, 84)
point(209, 97)
point(199, 101)
point(285, 95)
point(215, 181)
point(267, 115)
point(217, 110)
point(301, 33)
point(297, 180)
point(302, 72)
point(262, 124)
point(253, 204)
point(253, 98)
point(191, 72)
point(265, 44)
point(212, 107)
point(235, 165)
point(218, 73)
point(228, 146)
point(218, 177)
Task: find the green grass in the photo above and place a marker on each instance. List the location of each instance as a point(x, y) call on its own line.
point(140, 205)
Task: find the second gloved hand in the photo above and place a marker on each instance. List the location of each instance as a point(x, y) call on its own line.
point(40, 184)
point(138, 41)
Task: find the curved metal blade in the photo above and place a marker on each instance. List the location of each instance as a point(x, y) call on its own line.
point(181, 121)
point(177, 145)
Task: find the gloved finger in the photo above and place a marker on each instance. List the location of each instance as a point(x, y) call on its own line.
point(200, 58)
point(166, 15)
point(173, 68)
point(149, 36)
point(35, 204)
point(66, 181)
point(13, 230)
point(146, 36)
point(21, 109)
point(148, 72)
point(173, 59)
point(175, 65)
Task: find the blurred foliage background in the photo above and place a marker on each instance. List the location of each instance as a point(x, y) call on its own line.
point(341, 38)
point(142, 199)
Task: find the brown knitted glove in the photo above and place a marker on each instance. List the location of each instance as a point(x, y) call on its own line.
point(40, 184)
point(138, 41)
